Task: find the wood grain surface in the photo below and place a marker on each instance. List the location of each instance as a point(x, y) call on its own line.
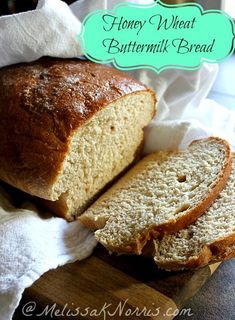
point(111, 287)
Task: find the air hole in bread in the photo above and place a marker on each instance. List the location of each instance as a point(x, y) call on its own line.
point(112, 128)
point(183, 208)
point(181, 178)
point(189, 234)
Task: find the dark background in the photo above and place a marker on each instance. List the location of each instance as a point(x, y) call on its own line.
point(12, 6)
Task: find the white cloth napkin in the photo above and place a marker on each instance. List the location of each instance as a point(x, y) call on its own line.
point(31, 244)
point(184, 114)
point(50, 30)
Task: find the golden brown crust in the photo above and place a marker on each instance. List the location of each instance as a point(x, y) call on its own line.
point(228, 253)
point(220, 246)
point(41, 104)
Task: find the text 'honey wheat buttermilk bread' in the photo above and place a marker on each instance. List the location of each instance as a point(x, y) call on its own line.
point(68, 127)
point(163, 193)
point(211, 238)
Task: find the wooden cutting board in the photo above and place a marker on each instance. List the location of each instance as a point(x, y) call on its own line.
point(111, 287)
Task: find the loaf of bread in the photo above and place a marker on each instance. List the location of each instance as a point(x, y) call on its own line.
point(68, 127)
point(210, 239)
point(163, 193)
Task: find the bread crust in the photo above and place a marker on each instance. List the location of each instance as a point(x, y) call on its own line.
point(41, 104)
point(172, 226)
point(228, 253)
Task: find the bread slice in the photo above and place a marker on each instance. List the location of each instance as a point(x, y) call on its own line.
point(163, 193)
point(68, 127)
point(210, 239)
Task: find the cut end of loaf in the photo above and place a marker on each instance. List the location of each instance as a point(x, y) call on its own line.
point(100, 150)
point(165, 189)
point(45, 107)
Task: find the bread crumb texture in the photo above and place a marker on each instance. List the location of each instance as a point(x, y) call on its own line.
point(161, 188)
point(102, 148)
point(216, 225)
